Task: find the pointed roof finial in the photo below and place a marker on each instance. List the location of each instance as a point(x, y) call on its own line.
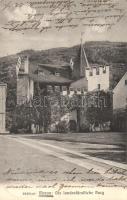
point(83, 50)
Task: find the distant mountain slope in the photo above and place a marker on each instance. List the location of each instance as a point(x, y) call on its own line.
point(97, 52)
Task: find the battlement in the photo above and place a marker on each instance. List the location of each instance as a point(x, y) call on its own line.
point(96, 71)
point(65, 90)
point(72, 91)
point(98, 77)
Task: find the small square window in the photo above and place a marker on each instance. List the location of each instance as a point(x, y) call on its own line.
point(41, 73)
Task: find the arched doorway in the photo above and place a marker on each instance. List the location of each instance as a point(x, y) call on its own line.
point(72, 126)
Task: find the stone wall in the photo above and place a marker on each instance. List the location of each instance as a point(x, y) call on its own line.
point(2, 108)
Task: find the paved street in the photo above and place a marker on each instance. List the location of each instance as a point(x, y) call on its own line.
point(49, 158)
point(106, 145)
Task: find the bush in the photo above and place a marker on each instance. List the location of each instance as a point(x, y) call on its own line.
point(84, 127)
point(62, 127)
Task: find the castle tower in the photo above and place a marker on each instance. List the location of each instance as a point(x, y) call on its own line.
point(25, 85)
point(96, 76)
point(80, 64)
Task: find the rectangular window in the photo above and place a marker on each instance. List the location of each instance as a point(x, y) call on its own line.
point(49, 87)
point(90, 73)
point(104, 70)
point(99, 86)
point(97, 71)
point(82, 90)
point(71, 89)
point(75, 91)
point(125, 82)
point(64, 88)
point(57, 74)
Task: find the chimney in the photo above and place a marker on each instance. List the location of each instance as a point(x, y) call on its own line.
point(26, 65)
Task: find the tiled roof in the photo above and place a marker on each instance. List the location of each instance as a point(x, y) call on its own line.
point(1, 83)
point(81, 83)
point(53, 66)
point(50, 79)
point(80, 63)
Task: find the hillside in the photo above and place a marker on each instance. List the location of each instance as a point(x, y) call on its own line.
point(110, 53)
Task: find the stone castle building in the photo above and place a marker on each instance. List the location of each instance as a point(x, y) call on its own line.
point(78, 77)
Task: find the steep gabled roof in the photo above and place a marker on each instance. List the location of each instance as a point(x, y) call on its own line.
point(124, 77)
point(80, 63)
point(51, 66)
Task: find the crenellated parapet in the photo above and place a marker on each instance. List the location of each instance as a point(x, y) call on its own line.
point(97, 70)
point(98, 77)
point(66, 90)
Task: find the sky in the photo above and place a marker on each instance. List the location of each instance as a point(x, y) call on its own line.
point(12, 42)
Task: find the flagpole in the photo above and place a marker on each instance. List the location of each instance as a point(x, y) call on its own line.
point(81, 55)
point(88, 66)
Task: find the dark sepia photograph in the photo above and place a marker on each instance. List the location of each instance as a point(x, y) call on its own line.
point(63, 99)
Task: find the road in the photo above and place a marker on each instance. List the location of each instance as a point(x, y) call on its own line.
point(44, 160)
point(105, 145)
